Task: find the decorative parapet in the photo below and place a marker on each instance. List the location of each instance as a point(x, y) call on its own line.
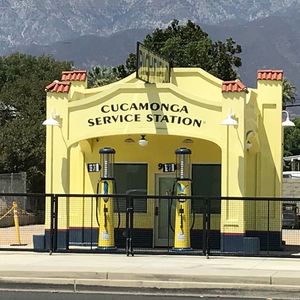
point(270, 75)
point(233, 86)
point(75, 75)
point(58, 87)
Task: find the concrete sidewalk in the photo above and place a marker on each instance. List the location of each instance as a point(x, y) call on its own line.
point(74, 271)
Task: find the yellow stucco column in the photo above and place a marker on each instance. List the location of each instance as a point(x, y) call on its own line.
point(233, 171)
point(269, 159)
point(57, 166)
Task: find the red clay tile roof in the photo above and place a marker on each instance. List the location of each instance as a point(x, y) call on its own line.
point(58, 87)
point(75, 75)
point(233, 86)
point(269, 75)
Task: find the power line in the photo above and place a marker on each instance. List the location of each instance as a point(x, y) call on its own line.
point(291, 105)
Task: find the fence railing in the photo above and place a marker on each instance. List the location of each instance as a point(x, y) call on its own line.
point(136, 223)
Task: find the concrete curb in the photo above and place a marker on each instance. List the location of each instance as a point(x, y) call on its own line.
point(189, 278)
point(138, 280)
point(146, 287)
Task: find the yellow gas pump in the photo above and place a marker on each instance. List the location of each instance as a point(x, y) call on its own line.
point(183, 186)
point(106, 240)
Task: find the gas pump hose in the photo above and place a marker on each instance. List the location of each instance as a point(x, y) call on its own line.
point(97, 205)
point(170, 209)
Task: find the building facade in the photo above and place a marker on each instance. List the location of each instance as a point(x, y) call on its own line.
point(239, 160)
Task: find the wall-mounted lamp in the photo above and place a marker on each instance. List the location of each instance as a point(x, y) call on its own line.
point(287, 122)
point(129, 140)
point(142, 141)
point(188, 141)
point(229, 120)
point(252, 142)
point(52, 121)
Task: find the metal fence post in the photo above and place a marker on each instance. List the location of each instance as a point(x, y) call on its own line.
point(127, 245)
point(53, 223)
point(92, 219)
point(169, 221)
point(129, 225)
point(204, 238)
point(268, 234)
point(208, 228)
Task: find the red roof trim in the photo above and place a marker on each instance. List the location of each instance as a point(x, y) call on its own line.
point(270, 75)
point(233, 86)
point(58, 87)
point(76, 75)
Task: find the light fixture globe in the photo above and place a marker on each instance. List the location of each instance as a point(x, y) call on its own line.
point(229, 121)
point(142, 141)
point(51, 122)
point(287, 122)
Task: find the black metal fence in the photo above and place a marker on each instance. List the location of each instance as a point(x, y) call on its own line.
point(146, 224)
point(142, 224)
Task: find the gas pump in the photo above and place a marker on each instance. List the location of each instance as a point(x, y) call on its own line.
point(183, 186)
point(105, 208)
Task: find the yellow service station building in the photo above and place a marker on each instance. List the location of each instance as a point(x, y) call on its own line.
point(231, 134)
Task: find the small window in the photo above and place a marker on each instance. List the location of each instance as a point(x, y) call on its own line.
point(132, 179)
point(206, 182)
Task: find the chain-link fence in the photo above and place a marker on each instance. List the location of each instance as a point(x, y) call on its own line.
point(13, 183)
point(19, 223)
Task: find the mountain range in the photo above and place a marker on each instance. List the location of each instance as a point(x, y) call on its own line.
point(24, 22)
point(104, 32)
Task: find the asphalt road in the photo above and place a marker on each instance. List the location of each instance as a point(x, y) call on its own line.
point(38, 295)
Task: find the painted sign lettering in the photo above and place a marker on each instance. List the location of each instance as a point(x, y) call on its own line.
point(158, 113)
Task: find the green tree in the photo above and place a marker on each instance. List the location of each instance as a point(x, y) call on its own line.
point(291, 134)
point(186, 46)
point(99, 76)
point(189, 46)
point(288, 92)
point(23, 79)
point(292, 139)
